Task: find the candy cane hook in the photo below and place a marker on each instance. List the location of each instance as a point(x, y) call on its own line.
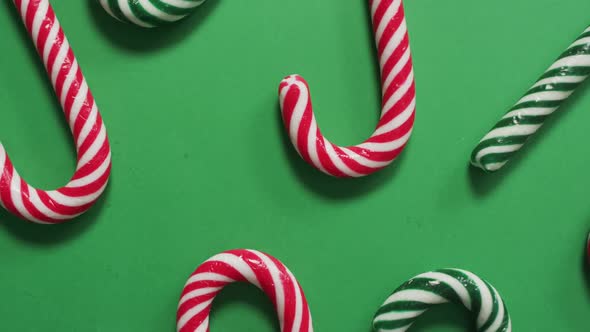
point(398, 105)
point(150, 13)
point(525, 118)
point(417, 295)
point(92, 146)
point(254, 267)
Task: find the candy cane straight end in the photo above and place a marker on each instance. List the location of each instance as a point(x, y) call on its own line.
point(398, 106)
point(417, 295)
point(250, 266)
point(89, 132)
point(149, 13)
point(545, 97)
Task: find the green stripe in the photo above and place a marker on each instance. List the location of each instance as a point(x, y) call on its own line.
point(566, 71)
point(498, 157)
point(520, 121)
point(536, 103)
point(393, 324)
point(116, 10)
point(144, 16)
point(402, 306)
point(576, 50)
point(495, 309)
point(498, 141)
point(168, 8)
point(558, 87)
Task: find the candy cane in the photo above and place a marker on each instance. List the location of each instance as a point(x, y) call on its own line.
point(94, 155)
point(398, 105)
point(528, 115)
point(259, 269)
point(149, 13)
point(414, 297)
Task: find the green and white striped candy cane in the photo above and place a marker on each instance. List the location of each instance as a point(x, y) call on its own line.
point(150, 13)
point(417, 295)
point(527, 116)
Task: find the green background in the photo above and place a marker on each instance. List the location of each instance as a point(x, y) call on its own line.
point(201, 164)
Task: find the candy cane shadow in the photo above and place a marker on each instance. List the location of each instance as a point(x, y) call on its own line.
point(51, 235)
point(331, 187)
point(483, 183)
point(136, 39)
point(586, 265)
point(240, 295)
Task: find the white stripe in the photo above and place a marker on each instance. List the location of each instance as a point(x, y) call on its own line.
point(298, 317)
point(387, 146)
point(393, 42)
point(401, 63)
point(583, 41)
point(560, 79)
point(239, 264)
point(545, 96)
point(59, 60)
point(185, 4)
point(515, 130)
point(126, 10)
point(93, 149)
point(416, 295)
point(79, 101)
point(74, 201)
point(23, 9)
point(397, 315)
point(50, 42)
point(455, 284)
point(278, 285)
point(16, 197)
point(95, 175)
point(487, 302)
point(532, 111)
point(398, 120)
point(337, 160)
point(208, 276)
point(152, 10)
point(398, 94)
point(192, 312)
point(71, 75)
point(496, 149)
point(572, 61)
point(88, 125)
point(197, 293)
point(393, 9)
point(38, 20)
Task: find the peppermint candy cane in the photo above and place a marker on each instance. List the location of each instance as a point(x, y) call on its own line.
point(414, 297)
point(259, 269)
point(528, 115)
point(150, 13)
point(398, 106)
point(94, 155)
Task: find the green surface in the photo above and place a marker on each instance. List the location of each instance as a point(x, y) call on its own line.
point(201, 164)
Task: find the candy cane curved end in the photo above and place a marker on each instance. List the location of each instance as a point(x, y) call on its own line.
point(254, 267)
point(398, 105)
point(420, 293)
point(545, 97)
point(89, 132)
point(149, 13)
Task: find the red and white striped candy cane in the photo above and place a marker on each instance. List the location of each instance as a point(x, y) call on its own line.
point(94, 154)
point(259, 269)
point(398, 105)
